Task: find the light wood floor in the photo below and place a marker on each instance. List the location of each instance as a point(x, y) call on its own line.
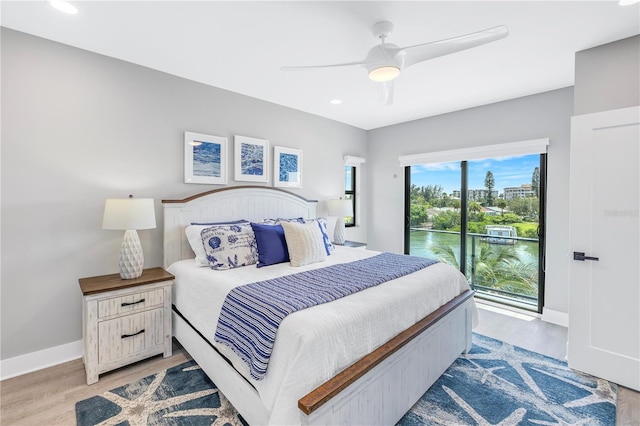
point(48, 397)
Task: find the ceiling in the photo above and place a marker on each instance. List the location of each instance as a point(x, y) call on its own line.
point(240, 46)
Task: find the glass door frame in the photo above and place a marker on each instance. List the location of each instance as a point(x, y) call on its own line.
point(464, 221)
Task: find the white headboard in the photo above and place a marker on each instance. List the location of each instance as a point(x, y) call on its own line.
point(253, 203)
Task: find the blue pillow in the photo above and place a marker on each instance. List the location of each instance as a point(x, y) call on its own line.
point(272, 247)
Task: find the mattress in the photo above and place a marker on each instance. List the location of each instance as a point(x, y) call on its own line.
point(315, 344)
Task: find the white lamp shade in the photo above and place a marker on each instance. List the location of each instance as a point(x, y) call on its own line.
point(340, 208)
point(129, 213)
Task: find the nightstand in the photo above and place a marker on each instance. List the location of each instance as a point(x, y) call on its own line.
point(354, 244)
point(124, 321)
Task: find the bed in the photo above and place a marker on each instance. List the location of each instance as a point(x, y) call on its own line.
point(362, 359)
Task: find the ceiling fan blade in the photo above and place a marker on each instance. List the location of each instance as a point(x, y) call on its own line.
point(385, 91)
point(308, 67)
point(422, 52)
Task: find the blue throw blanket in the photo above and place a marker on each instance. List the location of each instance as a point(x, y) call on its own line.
point(251, 313)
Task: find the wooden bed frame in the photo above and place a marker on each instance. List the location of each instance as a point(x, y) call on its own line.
point(377, 389)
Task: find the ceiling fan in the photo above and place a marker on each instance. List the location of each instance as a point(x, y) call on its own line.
point(385, 61)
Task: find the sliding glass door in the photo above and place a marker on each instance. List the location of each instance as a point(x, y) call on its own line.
point(483, 217)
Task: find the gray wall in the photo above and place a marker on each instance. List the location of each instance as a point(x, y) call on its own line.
point(78, 128)
point(545, 115)
point(608, 77)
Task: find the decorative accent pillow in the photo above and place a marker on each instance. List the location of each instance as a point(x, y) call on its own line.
point(322, 223)
point(272, 246)
point(305, 243)
point(230, 246)
point(195, 239)
point(278, 220)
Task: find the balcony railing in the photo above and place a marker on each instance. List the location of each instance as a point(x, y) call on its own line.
point(503, 268)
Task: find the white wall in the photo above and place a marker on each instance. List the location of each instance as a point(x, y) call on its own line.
point(607, 77)
point(545, 115)
point(78, 128)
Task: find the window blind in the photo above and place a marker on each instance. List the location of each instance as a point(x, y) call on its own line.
point(535, 146)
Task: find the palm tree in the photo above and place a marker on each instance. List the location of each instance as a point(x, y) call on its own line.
point(501, 204)
point(496, 267)
point(500, 267)
point(474, 208)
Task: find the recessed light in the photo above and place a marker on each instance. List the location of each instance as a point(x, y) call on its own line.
point(336, 101)
point(64, 6)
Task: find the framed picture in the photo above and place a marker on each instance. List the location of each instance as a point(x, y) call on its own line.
point(251, 158)
point(205, 159)
point(287, 167)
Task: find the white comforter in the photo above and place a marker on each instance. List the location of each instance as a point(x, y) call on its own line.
point(314, 344)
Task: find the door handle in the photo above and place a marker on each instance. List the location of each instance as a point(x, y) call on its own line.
point(578, 255)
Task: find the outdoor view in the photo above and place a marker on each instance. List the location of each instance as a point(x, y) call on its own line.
point(502, 247)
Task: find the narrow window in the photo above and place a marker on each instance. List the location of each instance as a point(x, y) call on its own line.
point(350, 192)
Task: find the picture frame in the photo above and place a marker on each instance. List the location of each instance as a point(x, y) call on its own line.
point(287, 167)
point(205, 159)
point(251, 159)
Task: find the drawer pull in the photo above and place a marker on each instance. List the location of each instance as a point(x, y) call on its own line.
point(124, 336)
point(132, 303)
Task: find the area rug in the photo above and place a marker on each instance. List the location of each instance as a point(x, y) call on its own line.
point(500, 384)
point(180, 395)
point(494, 384)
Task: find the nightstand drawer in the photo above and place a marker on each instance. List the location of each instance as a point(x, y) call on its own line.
point(124, 336)
point(130, 303)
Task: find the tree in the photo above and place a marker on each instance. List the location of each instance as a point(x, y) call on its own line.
point(474, 210)
point(489, 183)
point(430, 193)
point(525, 207)
point(455, 203)
point(501, 203)
point(535, 182)
point(418, 214)
point(495, 267)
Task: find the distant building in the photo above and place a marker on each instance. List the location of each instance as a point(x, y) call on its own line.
point(521, 191)
point(480, 194)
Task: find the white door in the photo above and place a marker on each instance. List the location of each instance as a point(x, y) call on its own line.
point(604, 294)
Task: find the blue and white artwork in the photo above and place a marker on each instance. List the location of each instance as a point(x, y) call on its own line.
point(287, 167)
point(251, 159)
point(251, 156)
point(205, 158)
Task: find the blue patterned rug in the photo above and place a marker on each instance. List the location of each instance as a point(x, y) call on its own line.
point(494, 384)
point(500, 384)
point(181, 395)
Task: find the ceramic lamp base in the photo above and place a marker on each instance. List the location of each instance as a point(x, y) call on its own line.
point(131, 257)
point(339, 233)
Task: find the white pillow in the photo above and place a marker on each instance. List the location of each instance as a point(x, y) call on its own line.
point(193, 233)
point(305, 243)
point(230, 246)
point(322, 223)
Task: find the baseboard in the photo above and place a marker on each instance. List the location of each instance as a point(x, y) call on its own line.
point(38, 360)
point(555, 317)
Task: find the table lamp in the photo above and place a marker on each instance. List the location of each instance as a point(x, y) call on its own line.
point(129, 215)
point(340, 209)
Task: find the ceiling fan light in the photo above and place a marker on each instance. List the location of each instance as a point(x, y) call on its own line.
point(384, 73)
